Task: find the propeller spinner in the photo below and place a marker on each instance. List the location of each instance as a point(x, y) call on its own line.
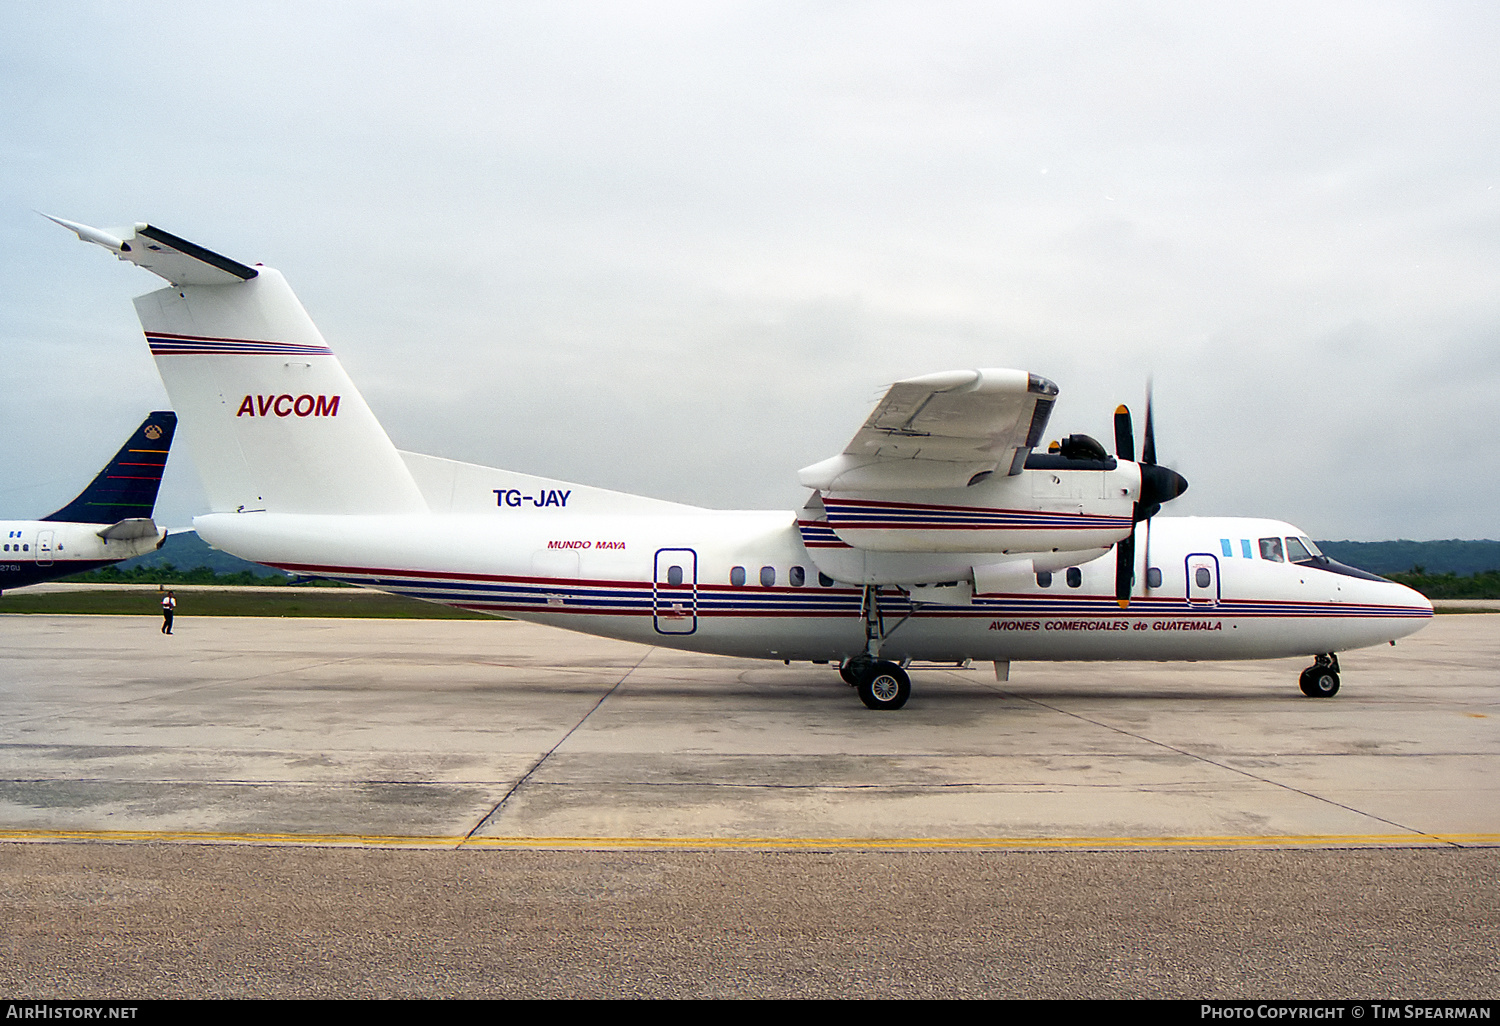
point(1158, 485)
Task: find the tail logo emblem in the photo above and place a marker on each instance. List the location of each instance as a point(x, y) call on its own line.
point(153, 432)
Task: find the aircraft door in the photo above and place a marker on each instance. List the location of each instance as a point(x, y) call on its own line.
point(44, 548)
point(674, 591)
point(1203, 579)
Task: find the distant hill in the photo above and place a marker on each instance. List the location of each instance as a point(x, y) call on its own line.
point(1464, 558)
point(186, 551)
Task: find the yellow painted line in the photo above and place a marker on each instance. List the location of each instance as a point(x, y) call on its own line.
point(759, 843)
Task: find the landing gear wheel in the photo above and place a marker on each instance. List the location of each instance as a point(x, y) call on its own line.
point(886, 686)
point(1319, 682)
point(850, 669)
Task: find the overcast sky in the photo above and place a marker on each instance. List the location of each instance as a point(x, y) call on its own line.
point(680, 249)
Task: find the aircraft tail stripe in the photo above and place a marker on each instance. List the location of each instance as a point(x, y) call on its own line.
point(188, 345)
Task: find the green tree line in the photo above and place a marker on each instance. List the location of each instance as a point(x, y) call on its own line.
point(1483, 585)
point(166, 573)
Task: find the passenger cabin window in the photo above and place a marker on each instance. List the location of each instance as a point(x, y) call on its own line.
point(1075, 577)
point(1044, 578)
point(1296, 552)
point(767, 576)
point(797, 576)
point(737, 576)
point(674, 575)
point(1270, 548)
point(824, 580)
point(1153, 577)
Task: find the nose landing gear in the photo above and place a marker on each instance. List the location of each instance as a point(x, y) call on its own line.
point(1321, 679)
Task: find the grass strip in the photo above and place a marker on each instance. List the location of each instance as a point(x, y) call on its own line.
point(354, 602)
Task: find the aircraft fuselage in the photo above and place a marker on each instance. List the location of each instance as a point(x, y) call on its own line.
point(744, 584)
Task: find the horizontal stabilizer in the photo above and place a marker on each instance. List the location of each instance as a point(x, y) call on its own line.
point(130, 530)
point(166, 255)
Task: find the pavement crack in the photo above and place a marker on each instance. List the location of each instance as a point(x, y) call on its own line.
point(531, 771)
point(1221, 765)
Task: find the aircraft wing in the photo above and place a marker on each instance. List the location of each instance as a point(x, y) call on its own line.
point(942, 431)
point(179, 261)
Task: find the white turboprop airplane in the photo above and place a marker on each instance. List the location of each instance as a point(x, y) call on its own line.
point(109, 521)
point(936, 536)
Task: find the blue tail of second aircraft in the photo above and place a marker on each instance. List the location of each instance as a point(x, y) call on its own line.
point(126, 488)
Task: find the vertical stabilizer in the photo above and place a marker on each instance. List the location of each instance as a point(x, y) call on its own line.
point(269, 416)
point(271, 419)
point(126, 488)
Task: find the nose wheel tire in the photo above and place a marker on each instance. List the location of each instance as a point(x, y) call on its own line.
point(884, 686)
point(1319, 682)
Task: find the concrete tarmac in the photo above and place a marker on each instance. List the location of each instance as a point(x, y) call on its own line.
point(447, 733)
point(879, 852)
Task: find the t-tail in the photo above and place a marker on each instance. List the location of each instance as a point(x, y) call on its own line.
point(270, 418)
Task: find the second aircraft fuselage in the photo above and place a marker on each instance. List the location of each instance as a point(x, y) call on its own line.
point(32, 551)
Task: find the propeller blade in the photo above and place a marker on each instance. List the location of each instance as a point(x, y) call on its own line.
point(1146, 557)
point(1125, 568)
point(1148, 451)
point(1124, 434)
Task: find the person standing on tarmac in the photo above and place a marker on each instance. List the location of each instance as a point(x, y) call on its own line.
point(168, 607)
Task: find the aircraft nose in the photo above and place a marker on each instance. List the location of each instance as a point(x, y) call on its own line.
point(1415, 599)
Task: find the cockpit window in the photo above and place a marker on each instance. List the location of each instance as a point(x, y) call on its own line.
point(1312, 546)
point(1296, 552)
point(1270, 548)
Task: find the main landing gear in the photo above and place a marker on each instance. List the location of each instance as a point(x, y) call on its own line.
point(881, 683)
point(1321, 679)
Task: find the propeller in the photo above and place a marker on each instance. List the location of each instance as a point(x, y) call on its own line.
point(1158, 485)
